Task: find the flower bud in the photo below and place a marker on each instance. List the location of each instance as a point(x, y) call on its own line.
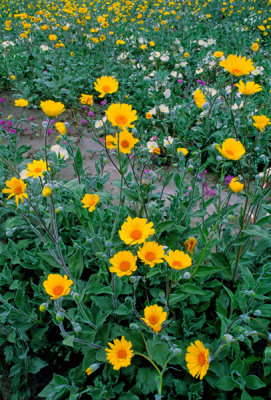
point(92, 368)
point(43, 307)
point(227, 338)
point(59, 317)
point(77, 328)
point(257, 313)
point(186, 275)
point(134, 326)
point(47, 191)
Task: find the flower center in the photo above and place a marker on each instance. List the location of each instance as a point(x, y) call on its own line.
point(230, 152)
point(150, 256)
point(124, 265)
point(201, 359)
point(125, 144)
point(122, 353)
point(153, 319)
point(57, 290)
point(136, 234)
point(177, 264)
point(121, 120)
point(37, 170)
point(236, 71)
point(106, 88)
point(18, 189)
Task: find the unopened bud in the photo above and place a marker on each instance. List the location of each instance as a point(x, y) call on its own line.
point(257, 313)
point(134, 326)
point(92, 368)
point(43, 307)
point(227, 338)
point(59, 317)
point(187, 275)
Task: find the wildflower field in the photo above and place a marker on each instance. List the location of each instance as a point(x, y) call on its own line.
point(135, 189)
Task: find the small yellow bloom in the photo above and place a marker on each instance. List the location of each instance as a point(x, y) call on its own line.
point(61, 127)
point(16, 187)
point(136, 230)
point(186, 54)
point(261, 121)
point(90, 201)
point(248, 88)
point(218, 54)
point(154, 317)
point(86, 99)
point(151, 43)
point(121, 115)
point(89, 371)
point(57, 286)
point(12, 77)
point(123, 263)
point(183, 150)
point(157, 151)
point(143, 46)
point(197, 358)
point(52, 108)
point(190, 245)
point(21, 103)
point(151, 253)
point(199, 98)
point(237, 65)
point(255, 46)
point(120, 353)
point(102, 38)
point(232, 149)
point(178, 259)
point(236, 186)
point(52, 37)
point(148, 115)
point(125, 142)
point(106, 84)
point(47, 191)
point(36, 169)
point(111, 142)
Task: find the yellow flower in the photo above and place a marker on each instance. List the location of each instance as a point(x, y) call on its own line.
point(178, 259)
point(151, 43)
point(151, 253)
point(123, 263)
point(89, 371)
point(248, 88)
point(156, 28)
point(143, 46)
point(90, 201)
point(148, 115)
point(12, 77)
point(190, 245)
point(261, 121)
point(86, 99)
point(186, 54)
point(52, 37)
point(102, 38)
point(154, 317)
point(17, 188)
point(237, 65)
point(52, 108)
point(21, 103)
point(111, 142)
point(121, 115)
point(255, 46)
point(157, 151)
point(120, 353)
point(92, 368)
point(36, 168)
point(61, 127)
point(235, 186)
point(232, 149)
point(197, 359)
point(136, 230)
point(218, 54)
point(183, 150)
point(47, 191)
point(125, 141)
point(199, 98)
point(106, 84)
point(120, 42)
point(57, 286)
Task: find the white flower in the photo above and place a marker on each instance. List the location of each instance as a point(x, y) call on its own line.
point(167, 93)
point(212, 64)
point(176, 41)
point(98, 124)
point(43, 47)
point(258, 71)
point(141, 40)
point(235, 107)
point(168, 141)
point(153, 111)
point(199, 71)
point(174, 74)
point(23, 174)
point(151, 145)
point(164, 58)
point(183, 64)
point(180, 75)
point(7, 44)
point(164, 109)
point(212, 91)
point(211, 41)
point(60, 151)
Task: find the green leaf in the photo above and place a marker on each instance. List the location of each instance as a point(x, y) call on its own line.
point(205, 270)
point(165, 226)
point(193, 289)
point(56, 388)
point(159, 351)
point(36, 364)
point(68, 341)
point(253, 382)
point(76, 264)
point(245, 396)
point(226, 383)
point(79, 160)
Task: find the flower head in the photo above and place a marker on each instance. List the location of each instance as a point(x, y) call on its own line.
point(57, 286)
point(255, 46)
point(248, 88)
point(106, 84)
point(52, 108)
point(125, 141)
point(90, 201)
point(197, 359)
point(136, 230)
point(123, 263)
point(121, 115)
point(154, 317)
point(16, 187)
point(86, 99)
point(21, 103)
point(151, 253)
point(183, 150)
point(178, 259)
point(261, 121)
point(36, 168)
point(235, 186)
point(47, 191)
point(111, 142)
point(237, 65)
point(120, 353)
point(190, 245)
point(61, 127)
point(232, 149)
point(218, 54)
point(199, 98)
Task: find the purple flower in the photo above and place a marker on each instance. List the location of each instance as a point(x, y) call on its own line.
point(13, 131)
point(180, 81)
point(52, 122)
point(2, 122)
point(189, 190)
point(147, 171)
point(202, 173)
point(228, 179)
point(85, 108)
point(30, 119)
point(84, 122)
point(2, 100)
point(26, 129)
point(101, 140)
point(199, 81)
point(154, 138)
point(91, 114)
point(102, 103)
point(49, 132)
point(208, 192)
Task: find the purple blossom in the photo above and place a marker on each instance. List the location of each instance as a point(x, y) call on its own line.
point(180, 81)
point(49, 132)
point(102, 103)
point(228, 179)
point(208, 192)
point(101, 140)
point(189, 190)
point(91, 114)
point(154, 138)
point(2, 100)
point(202, 173)
point(52, 122)
point(30, 119)
point(85, 108)
point(84, 122)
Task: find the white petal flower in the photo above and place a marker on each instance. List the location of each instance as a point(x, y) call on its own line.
point(167, 93)
point(60, 151)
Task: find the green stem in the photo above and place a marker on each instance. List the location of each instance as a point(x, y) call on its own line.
point(157, 369)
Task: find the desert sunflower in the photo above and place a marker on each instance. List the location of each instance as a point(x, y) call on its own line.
point(106, 84)
point(237, 65)
point(261, 121)
point(190, 244)
point(197, 359)
point(52, 108)
point(111, 142)
point(36, 168)
point(61, 127)
point(248, 88)
point(16, 187)
point(125, 141)
point(236, 186)
point(136, 230)
point(120, 353)
point(151, 253)
point(21, 103)
point(178, 259)
point(199, 98)
point(57, 286)
point(90, 201)
point(86, 99)
point(232, 149)
point(121, 115)
point(154, 317)
point(123, 263)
